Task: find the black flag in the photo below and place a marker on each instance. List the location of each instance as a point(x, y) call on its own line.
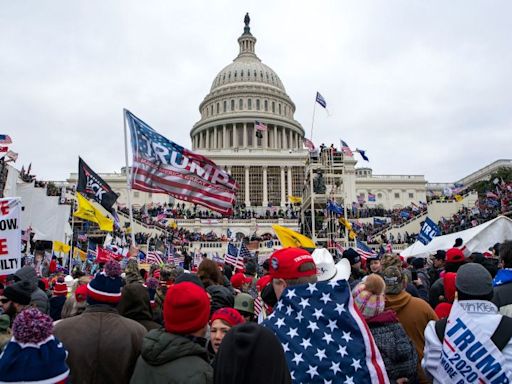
point(93, 186)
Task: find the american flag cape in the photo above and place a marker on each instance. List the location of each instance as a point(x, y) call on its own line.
point(324, 337)
point(162, 166)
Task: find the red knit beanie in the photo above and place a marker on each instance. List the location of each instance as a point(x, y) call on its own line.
point(229, 315)
point(186, 308)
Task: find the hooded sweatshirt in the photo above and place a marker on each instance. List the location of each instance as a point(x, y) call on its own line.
point(135, 305)
point(503, 291)
point(414, 315)
point(173, 359)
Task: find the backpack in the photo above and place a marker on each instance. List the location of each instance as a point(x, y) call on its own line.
point(500, 337)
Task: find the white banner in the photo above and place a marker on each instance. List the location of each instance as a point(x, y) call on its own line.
point(468, 356)
point(10, 235)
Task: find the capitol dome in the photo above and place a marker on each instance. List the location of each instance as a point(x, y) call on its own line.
point(247, 126)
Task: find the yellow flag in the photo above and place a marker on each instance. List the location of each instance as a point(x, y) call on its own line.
point(289, 238)
point(78, 253)
point(88, 212)
point(352, 235)
point(295, 199)
point(345, 223)
point(459, 198)
point(59, 246)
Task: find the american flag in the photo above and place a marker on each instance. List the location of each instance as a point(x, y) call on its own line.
point(309, 145)
point(172, 256)
point(364, 250)
point(260, 126)
point(233, 257)
point(154, 257)
point(345, 149)
point(320, 100)
point(162, 166)
point(324, 337)
point(5, 139)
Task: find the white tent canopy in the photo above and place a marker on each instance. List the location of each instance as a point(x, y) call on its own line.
point(476, 239)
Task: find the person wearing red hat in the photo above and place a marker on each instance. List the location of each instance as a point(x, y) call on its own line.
point(241, 282)
point(221, 322)
point(60, 291)
point(178, 350)
point(454, 260)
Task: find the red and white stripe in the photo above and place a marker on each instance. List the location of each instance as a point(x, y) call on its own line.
point(155, 257)
point(235, 261)
point(182, 184)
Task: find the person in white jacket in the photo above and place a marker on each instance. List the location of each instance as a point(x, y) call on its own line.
point(462, 347)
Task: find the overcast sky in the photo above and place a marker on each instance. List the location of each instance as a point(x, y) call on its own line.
point(424, 86)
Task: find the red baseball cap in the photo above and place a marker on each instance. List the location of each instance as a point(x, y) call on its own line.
point(229, 315)
point(239, 279)
point(285, 263)
point(262, 282)
point(454, 255)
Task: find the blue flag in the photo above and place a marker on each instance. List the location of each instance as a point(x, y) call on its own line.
point(334, 207)
point(324, 337)
point(362, 152)
point(320, 100)
point(429, 230)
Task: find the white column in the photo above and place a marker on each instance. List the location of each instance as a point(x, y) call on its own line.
point(275, 137)
point(235, 136)
point(245, 135)
point(201, 140)
point(254, 138)
point(215, 141)
point(265, 139)
point(283, 138)
point(290, 191)
point(265, 189)
point(224, 137)
point(229, 169)
point(247, 199)
point(283, 187)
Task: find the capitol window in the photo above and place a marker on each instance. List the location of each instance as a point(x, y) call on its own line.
point(249, 104)
point(232, 105)
point(240, 104)
point(218, 107)
point(273, 107)
point(258, 104)
point(279, 106)
point(224, 105)
point(265, 104)
point(397, 195)
point(411, 195)
point(379, 195)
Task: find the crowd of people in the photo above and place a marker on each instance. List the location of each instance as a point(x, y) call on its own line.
point(298, 317)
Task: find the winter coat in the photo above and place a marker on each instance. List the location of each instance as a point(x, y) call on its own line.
point(38, 297)
point(135, 305)
point(56, 304)
point(103, 346)
point(172, 359)
point(436, 290)
point(503, 291)
point(414, 315)
point(397, 350)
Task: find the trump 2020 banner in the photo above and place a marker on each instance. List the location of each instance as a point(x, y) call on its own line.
point(468, 355)
point(10, 235)
point(429, 230)
point(162, 166)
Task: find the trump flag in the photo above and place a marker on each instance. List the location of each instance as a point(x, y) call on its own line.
point(162, 166)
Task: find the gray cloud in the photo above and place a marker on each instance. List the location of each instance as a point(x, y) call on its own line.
point(424, 87)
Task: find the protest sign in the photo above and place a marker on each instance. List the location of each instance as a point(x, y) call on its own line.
point(10, 235)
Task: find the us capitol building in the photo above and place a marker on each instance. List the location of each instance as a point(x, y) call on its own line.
point(271, 166)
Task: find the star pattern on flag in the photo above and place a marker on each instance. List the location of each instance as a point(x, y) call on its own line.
point(322, 340)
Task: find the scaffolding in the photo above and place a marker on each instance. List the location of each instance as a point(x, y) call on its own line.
point(324, 181)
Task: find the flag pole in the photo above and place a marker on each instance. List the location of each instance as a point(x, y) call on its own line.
point(128, 178)
point(72, 232)
point(312, 121)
